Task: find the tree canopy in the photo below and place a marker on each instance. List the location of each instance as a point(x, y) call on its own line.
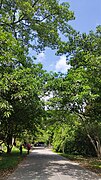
point(36, 23)
point(78, 92)
point(24, 25)
point(74, 98)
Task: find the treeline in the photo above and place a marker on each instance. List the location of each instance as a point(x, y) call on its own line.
point(76, 101)
point(70, 119)
point(24, 26)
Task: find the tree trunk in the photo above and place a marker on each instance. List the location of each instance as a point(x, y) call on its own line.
point(96, 144)
point(63, 149)
point(9, 143)
point(8, 148)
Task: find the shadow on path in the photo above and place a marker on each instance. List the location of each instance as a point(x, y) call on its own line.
point(42, 164)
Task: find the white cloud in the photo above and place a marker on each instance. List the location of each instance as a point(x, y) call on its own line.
point(61, 65)
point(41, 56)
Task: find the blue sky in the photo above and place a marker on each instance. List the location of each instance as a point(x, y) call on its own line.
point(88, 16)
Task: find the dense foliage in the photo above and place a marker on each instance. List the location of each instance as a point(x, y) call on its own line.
point(24, 25)
point(70, 118)
point(78, 92)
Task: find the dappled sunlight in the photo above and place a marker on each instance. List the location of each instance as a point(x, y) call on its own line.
point(43, 164)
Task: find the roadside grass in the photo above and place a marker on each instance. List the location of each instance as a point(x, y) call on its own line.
point(8, 162)
point(91, 163)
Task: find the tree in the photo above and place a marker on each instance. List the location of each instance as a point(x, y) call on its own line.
point(24, 25)
point(78, 92)
point(21, 84)
point(83, 95)
point(36, 23)
point(86, 62)
point(21, 105)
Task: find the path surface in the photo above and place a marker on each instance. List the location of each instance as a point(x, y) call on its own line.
point(42, 164)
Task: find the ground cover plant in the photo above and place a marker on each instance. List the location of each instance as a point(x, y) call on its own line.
point(9, 162)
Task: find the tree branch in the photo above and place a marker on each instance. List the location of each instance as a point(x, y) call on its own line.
point(35, 3)
point(1, 4)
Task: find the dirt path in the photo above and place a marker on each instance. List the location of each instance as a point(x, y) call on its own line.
point(43, 164)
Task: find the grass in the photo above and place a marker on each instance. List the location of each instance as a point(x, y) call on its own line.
point(8, 162)
point(91, 163)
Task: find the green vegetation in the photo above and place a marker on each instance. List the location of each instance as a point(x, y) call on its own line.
point(70, 120)
point(75, 105)
point(8, 162)
point(26, 25)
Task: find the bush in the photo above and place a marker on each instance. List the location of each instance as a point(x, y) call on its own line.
point(72, 141)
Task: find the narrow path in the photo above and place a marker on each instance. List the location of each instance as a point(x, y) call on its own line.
point(43, 164)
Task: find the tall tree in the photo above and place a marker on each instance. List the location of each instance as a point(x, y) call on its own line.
point(21, 107)
point(36, 23)
point(79, 92)
point(27, 24)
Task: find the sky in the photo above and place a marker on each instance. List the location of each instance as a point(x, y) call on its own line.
point(88, 16)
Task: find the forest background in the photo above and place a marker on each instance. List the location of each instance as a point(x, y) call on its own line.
point(61, 109)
